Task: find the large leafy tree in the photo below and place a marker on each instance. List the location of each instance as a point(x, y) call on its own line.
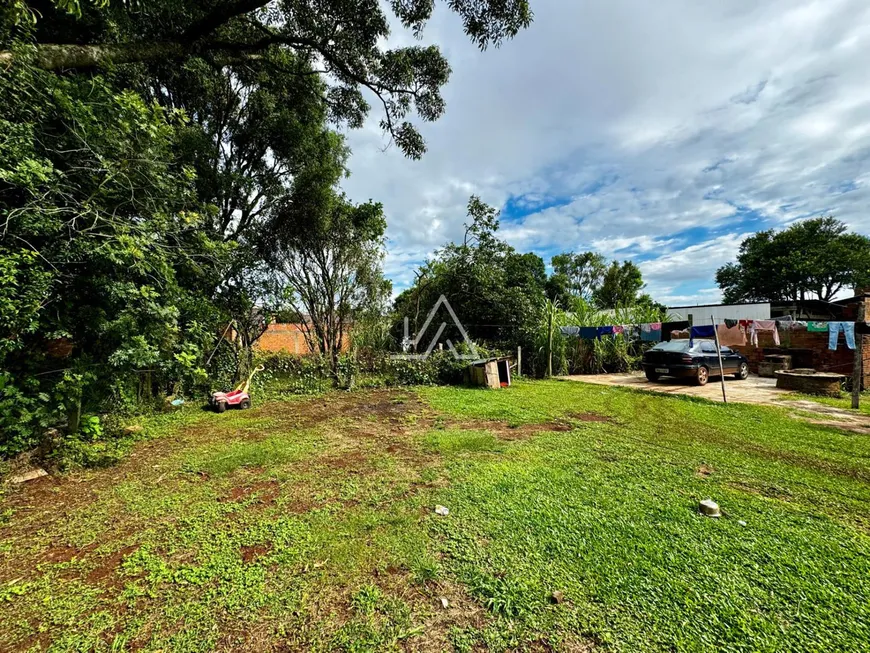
point(620, 286)
point(811, 259)
point(342, 41)
point(581, 273)
point(495, 291)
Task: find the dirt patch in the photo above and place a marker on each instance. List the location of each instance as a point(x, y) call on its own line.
point(353, 462)
point(589, 417)
point(106, 573)
point(761, 490)
point(60, 554)
point(508, 431)
point(265, 491)
point(704, 471)
point(252, 552)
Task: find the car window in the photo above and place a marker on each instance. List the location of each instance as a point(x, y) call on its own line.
point(725, 350)
point(708, 348)
point(672, 345)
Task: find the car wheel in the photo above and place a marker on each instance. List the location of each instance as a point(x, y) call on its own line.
point(220, 406)
point(702, 376)
point(245, 404)
point(651, 376)
point(742, 372)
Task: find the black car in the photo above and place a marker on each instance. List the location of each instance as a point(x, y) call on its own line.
point(697, 361)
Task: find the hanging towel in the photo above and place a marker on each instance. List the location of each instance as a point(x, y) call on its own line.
point(632, 332)
point(817, 327)
point(651, 332)
point(764, 325)
point(618, 328)
point(669, 327)
point(862, 328)
point(588, 333)
point(848, 329)
point(746, 324)
point(570, 331)
point(706, 331)
point(731, 323)
point(605, 331)
point(733, 336)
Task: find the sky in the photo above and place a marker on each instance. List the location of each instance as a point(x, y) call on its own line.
point(659, 132)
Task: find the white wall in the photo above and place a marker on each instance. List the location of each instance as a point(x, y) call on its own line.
point(701, 314)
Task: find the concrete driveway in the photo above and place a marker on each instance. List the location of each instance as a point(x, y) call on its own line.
point(754, 390)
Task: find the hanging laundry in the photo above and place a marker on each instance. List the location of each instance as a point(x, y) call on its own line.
point(570, 331)
point(731, 323)
point(618, 328)
point(797, 324)
point(604, 331)
point(588, 333)
point(862, 328)
point(706, 331)
point(848, 329)
point(733, 336)
point(746, 324)
point(632, 332)
point(817, 327)
point(669, 327)
point(651, 332)
point(763, 325)
point(680, 334)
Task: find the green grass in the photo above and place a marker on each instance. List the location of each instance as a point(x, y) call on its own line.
point(281, 528)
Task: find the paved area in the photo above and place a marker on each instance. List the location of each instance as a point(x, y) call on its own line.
point(754, 390)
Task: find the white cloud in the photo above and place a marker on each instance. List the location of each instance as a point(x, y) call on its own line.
point(688, 110)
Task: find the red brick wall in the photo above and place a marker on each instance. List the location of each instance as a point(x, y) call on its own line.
point(807, 350)
point(288, 338)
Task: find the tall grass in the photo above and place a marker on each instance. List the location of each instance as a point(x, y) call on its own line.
point(576, 356)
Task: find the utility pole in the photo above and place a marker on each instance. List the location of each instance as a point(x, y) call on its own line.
point(858, 366)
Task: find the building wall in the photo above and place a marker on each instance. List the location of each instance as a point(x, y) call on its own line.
point(288, 338)
point(700, 315)
point(807, 350)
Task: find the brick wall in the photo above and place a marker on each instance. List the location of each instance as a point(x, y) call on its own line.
point(288, 338)
point(807, 350)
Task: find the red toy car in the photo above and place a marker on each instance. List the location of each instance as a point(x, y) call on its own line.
point(237, 397)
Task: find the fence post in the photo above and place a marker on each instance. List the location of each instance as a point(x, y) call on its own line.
point(858, 366)
point(719, 355)
point(519, 361)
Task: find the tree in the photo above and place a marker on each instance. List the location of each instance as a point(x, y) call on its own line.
point(332, 268)
point(342, 41)
point(814, 258)
point(583, 273)
point(620, 286)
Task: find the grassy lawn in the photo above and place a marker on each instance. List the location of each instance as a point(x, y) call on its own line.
point(310, 525)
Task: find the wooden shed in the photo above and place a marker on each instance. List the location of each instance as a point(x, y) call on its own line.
point(489, 372)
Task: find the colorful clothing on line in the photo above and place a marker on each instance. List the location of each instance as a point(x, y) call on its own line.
point(733, 336)
point(817, 327)
point(731, 323)
point(848, 329)
point(651, 332)
point(588, 333)
point(618, 328)
point(764, 325)
point(669, 327)
point(746, 324)
point(570, 331)
point(605, 331)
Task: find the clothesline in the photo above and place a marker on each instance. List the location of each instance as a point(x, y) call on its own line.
point(730, 332)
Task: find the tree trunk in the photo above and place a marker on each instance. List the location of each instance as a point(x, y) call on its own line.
point(52, 56)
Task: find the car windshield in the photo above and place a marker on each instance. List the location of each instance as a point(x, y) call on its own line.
point(673, 345)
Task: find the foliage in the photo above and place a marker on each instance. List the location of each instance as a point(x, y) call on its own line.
point(102, 251)
point(330, 252)
point(620, 286)
point(811, 259)
point(581, 274)
point(344, 42)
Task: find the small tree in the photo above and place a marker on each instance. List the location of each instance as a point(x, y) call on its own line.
point(333, 270)
point(620, 286)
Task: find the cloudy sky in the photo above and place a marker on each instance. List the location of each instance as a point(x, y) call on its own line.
point(661, 132)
